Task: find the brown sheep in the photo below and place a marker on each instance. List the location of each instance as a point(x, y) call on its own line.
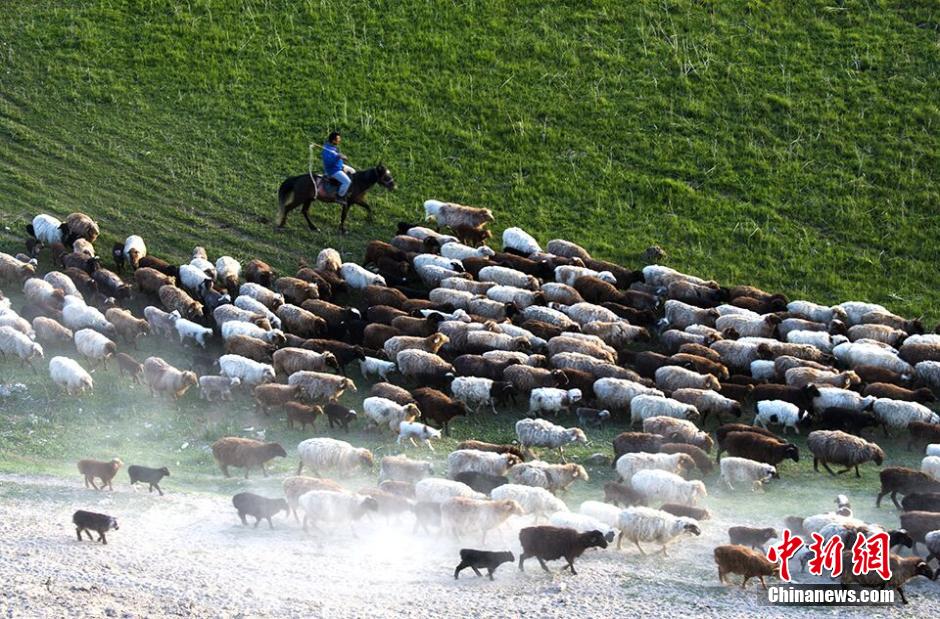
point(302, 414)
point(161, 377)
point(149, 280)
point(129, 366)
point(300, 322)
point(105, 471)
point(686, 511)
point(250, 347)
point(897, 480)
point(291, 359)
point(296, 290)
point(296, 486)
point(384, 314)
point(258, 272)
point(622, 495)
point(392, 392)
point(376, 250)
point(702, 461)
point(81, 225)
point(472, 235)
point(636, 442)
point(492, 447)
point(245, 453)
point(376, 334)
point(902, 570)
point(702, 365)
point(269, 395)
point(152, 262)
point(420, 327)
point(174, 298)
point(50, 332)
point(438, 407)
point(746, 562)
point(922, 433)
point(343, 352)
point(382, 295)
point(127, 325)
point(922, 395)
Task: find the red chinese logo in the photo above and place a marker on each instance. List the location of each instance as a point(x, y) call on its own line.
point(826, 555)
point(783, 551)
point(869, 554)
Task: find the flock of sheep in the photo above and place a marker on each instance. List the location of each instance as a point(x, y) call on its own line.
point(449, 327)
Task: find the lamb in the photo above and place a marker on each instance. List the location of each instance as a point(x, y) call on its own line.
point(644, 524)
point(678, 431)
point(629, 464)
point(69, 375)
point(759, 448)
point(77, 315)
point(844, 449)
point(91, 345)
point(81, 226)
point(550, 399)
point(161, 323)
point(542, 433)
point(537, 502)
point(150, 476)
point(325, 454)
point(245, 453)
point(462, 514)
point(902, 570)
point(708, 401)
point(552, 477)
point(249, 372)
point(383, 412)
point(105, 471)
point(91, 521)
point(899, 414)
point(329, 506)
point(404, 469)
point(741, 470)
point(12, 342)
point(212, 388)
point(779, 412)
point(262, 508)
point(481, 559)
point(189, 330)
point(472, 460)
point(751, 536)
point(667, 487)
point(746, 562)
point(435, 490)
point(647, 406)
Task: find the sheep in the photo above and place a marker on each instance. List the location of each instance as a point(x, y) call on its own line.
point(922, 395)
point(435, 490)
point(318, 385)
point(931, 466)
point(492, 448)
point(618, 394)
point(708, 401)
point(87, 522)
point(454, 215)
point(459, 251)
point(644, 524)
point(597, 368)
point(504, 276)
point(297, 486)
point(430, 344)
point(92, 345)
point(933, 449)
point(189, 330)
point(82, 226)
point(462, 514)
point(249, 372)
point(245, 453)
point(481, 482)
point(802, 376)
point(41, 292)
point(295, 290)
point(759, 448)
point(816, 313)
point(383, 412)
point(525, 378)
point(646, 406)
point(584, 344)
point(481, 340)
point(262, 508)
point(679, 315)
point(542, 433)
point(667, 487)
point(932, 542)
point(69, 375)
point(105, 471)
point(150, 476)
point(212, 388)
point(928, 372)
point(678, 431)
point(844, 449)
point(899, 414)
point(745, 326)
point(161, 377)
point(817, 339)
point(291, 359)
point(357, 278)
point(252, 311)
point(12, 342)
point(228, 270)
point(50, 332)
point(779, 412)
point(324, 454)
point(476, 392)
point(329, 506)
point(329, 260)
point(550, 543)
point(232, 328)
point(273, 394)
point(422, 366)
point(636, 442)
point(520, 241)
point(48, 230)
point(126, 325)
point(161, 323)
point(552, 477)
point(550, 399)
point(519, 297)
point(733, 559)
point(924, 433)
point(404, 469)
point(175, 299)
point(902, 569)
point(300, 322)
point(629, 464)
point(856, 354)
point(551, 316)
point(477, 461)
point(77, 315)
point(537, 502)
point(735, 470)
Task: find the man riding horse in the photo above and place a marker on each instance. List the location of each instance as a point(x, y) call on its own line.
point(340, 183)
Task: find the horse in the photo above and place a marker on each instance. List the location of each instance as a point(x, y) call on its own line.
point(303, 189)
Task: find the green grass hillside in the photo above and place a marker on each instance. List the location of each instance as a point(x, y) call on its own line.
point(789, 145)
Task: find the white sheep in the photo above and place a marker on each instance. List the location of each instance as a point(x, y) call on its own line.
point(535, 343)
point(194, 279)
point(897, 414)
point(436, 490)
point(385, 412)
point(854, 310)
point(833, 397)
point(48, 229)
point(412, 430)
point(270, 299)
point(584, 344)
point(331, 455)
point(816, 312)
point(858, 353)
point(476, 461)
point(63, 282)
point(69, 375)
point(550, 315)
point(227, 270)
point(778, 412)
point(818, 339)
point(582, 524)
point(616, 394)
point(630, 463)
point(371, 366)
point(474, 391)
point(506, 276)
point(328, 506)
point(741, 470)
point(644, 524)
point(433, 274)
point(659, 275)
point(250, 372)
point(189, 330)
point(521, 241)
point(569, 274)
point(236, 327)
point(933, 449)
point(602, 512)
point(357, 278)
point(212, 387)
point(94, 346)
point(931, 466)
point(161, 323)
point(466, 285)
point(585, 313)
point(77, 315)
point(421, 233)
point(41, 292)
point(510, 294)
point(646, 406)
point(12, 342)
point(252, 305)
point(134, 250)
point(552, 477)
point(617, 334)
point(459, 251)
point(320, 385)
point(537, 502)
point(460, 299)
point(423, 260)
point(928, 372)
point(552, 400)
point(666, 487)
point(329, 260)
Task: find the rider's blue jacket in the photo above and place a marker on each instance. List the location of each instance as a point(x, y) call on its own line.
point(332, 160)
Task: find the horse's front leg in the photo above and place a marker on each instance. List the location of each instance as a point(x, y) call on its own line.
point(342, 219)
point(368, 208)
point(305, 210)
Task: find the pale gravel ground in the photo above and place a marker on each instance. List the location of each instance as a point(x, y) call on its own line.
point(186, 555)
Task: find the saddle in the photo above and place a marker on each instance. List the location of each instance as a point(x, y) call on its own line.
point(326, 187)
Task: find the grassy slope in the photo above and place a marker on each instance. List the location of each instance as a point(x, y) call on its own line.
point(789, 147)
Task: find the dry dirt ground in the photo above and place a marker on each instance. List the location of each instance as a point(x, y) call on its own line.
point(187, 555)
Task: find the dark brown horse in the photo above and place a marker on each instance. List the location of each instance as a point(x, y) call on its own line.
point(303, 189)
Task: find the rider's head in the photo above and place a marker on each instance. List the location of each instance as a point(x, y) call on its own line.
point(334, 138)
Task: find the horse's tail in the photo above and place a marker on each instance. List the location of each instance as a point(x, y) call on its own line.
point(285, 190)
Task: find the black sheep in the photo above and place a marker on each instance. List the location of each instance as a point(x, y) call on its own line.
point(547, 543)
point(344, 353)
point(751, 536)
point(591, 416)
point(148, 475)
point(921, 502)
point(91, 521)
point(477, 559)
point(339, 415)
point(846, 419)
point(262, 508)
point(481, 482)
point(759, 448)
point(897, 480)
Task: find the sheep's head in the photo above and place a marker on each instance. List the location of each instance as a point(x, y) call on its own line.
point(165, 471)
point(877, 454)
point(350, 385)
point(268, 374)
point(574, 395)
point(116, 463)
point(922, 569)
point(411, 411)
point(577, 435)
point(579, 472)
point(685, 462)
point(692, 414)
point(275, 450)
point(593, 539)
point(189, 379)
point(691, 527)
point(366, 460)
point(792, 452)
point(510, 508)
